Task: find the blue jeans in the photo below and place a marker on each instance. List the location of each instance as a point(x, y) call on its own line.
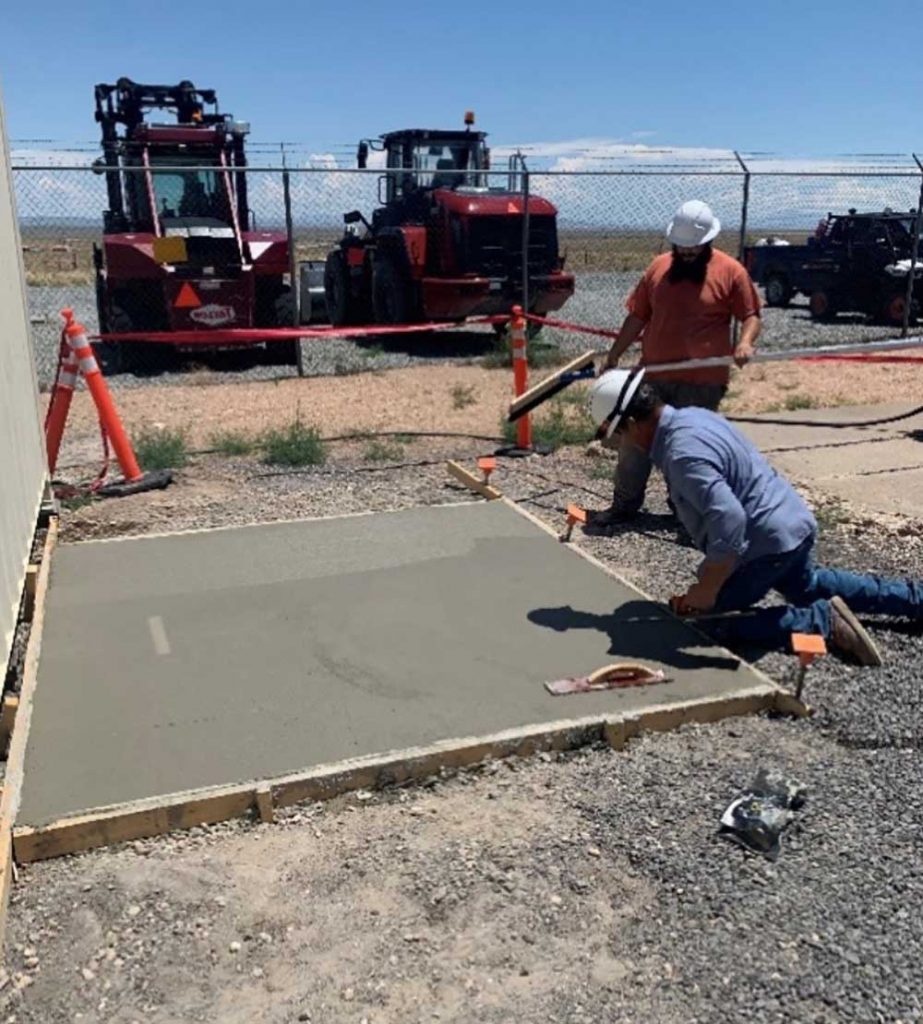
point(807, 588)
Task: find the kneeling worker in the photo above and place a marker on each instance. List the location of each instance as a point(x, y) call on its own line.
point(755, 530)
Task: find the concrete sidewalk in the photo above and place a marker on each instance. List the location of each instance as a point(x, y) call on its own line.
point(877, 468)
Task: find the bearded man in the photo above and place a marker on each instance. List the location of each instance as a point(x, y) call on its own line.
point(682, 308)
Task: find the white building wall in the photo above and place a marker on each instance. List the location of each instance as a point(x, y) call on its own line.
point(23, 467)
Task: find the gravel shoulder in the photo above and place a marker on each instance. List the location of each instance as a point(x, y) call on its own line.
point(579, 888)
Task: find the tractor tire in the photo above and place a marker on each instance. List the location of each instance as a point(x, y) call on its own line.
point(778, 290)
point(892, 310)
point(391, 297)
point(284, 353)
point(110, 356)
point(822, 305)
point(130, 311)
point(341, 309)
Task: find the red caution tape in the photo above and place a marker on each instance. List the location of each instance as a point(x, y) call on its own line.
point(248, 335)
point(871, 357)
point(600, 332)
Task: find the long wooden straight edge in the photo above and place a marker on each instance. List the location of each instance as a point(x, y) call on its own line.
point(158, 815)
point(12, 782)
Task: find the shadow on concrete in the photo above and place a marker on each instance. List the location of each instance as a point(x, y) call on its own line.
point(659, 638)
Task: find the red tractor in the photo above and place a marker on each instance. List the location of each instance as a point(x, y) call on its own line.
point(178, 252)
point(444, 245)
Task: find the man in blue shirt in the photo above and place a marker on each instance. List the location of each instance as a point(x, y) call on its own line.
point(755, 530)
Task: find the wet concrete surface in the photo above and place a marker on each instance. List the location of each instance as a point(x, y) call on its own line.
point(178, 662)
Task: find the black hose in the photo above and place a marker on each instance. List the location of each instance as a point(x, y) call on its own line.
point(836, 426)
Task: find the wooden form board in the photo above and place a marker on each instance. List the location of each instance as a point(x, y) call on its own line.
point(159, 815)
point(12, 783)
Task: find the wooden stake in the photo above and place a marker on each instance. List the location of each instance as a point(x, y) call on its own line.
point(263, 799)
point(471, 481)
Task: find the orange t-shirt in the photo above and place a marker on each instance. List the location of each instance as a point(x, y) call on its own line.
point(691, 321)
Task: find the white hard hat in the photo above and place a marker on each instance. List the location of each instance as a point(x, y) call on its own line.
point(610, 396)
point(693, 224)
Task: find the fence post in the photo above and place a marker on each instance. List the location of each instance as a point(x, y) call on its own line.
point(292, 262)
point(742, 241)
point(914, 252)
point(518, 344)
point(525, 237)
point(744, 208)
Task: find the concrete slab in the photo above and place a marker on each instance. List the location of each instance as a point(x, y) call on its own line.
point(878, 468)
point(206, 659)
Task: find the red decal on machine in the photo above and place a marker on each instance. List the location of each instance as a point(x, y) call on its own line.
point(214, 315)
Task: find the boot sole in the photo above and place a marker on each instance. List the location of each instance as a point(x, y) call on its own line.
point(871, 655)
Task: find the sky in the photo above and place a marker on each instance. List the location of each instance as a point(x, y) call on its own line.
point(814, 77)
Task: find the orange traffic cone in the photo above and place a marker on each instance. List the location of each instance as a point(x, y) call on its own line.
point(59, 406)
point(82, 353)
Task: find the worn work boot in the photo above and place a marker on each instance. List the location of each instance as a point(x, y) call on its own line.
point(848, 636)
point(606, 518)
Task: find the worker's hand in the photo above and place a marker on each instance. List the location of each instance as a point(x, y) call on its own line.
point(609, 363)
point(698, 598)
point(744, 352)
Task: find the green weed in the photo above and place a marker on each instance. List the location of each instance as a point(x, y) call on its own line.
point(233, 442)
point(160, 447)
point(382, 451)
point(560, 425)
point(794, 402)
point(296, 445)
point(462, 396)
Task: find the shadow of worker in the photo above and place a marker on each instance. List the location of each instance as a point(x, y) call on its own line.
point(641, 630)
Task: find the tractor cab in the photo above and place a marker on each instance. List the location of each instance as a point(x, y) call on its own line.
point(423, 159)
point(172, 179)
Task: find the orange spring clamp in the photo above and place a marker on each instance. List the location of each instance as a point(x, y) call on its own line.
point(807, 646)
point(575, 514)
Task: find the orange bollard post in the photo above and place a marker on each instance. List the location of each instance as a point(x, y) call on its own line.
point(83, 353)
point(135, 480)
point(520, 375)
point(59, 407)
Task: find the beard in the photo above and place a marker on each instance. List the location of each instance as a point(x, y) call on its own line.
point(693, 270)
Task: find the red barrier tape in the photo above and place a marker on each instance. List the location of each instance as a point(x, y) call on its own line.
point(600, 332)
point(870, 358)
point(248, 335)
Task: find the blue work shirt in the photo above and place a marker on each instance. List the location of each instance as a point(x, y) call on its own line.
point(726, 494)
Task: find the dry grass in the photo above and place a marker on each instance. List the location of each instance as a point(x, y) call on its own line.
point(65, 256)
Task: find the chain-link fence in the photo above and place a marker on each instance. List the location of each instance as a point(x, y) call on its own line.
point(252, 248)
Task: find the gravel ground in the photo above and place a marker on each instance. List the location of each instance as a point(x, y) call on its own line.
point(598, 301)
point(582, 888)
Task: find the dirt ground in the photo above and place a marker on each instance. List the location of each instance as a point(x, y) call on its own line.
point(450, 398)
point(572, 889)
